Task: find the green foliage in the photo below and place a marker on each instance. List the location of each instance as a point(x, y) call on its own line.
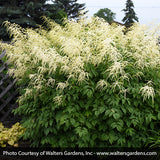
point(26, 13)
point(10, 136)
point(58, 16)
point(154, 140)
point(106, 14)
point(87, 84)
point(130, 15)
point(71, 7)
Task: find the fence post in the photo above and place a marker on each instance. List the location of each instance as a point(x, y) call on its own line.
point(8, 92)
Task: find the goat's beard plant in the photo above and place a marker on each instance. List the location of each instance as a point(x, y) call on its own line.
point(86, 83)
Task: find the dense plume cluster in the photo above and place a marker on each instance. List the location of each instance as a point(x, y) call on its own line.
point(71, 47)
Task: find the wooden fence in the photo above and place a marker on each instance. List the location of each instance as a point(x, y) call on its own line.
point(8, 92)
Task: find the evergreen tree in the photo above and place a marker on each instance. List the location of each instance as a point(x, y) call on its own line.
point(130, 15)
point(106, 14)
point(57, 14)
point(71, 7)
point(26, 13)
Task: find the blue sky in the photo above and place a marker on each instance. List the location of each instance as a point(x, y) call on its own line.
point(147, 10)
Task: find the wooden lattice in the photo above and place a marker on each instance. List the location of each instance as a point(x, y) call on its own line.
point(8, 92)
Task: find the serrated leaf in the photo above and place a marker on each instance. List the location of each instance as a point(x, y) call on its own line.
point(89, 93)
point(134, 122)
point(88, 124)
point(107, 112)
point(130, 109)
point(88, 113)
point(94, 136)
point(73, 122)
point(149, 118)
point(111, 114)
point(104, 137)
point(81, 131)
point(68, 98)
point(116, 116)
point(123, 101)
point(112, 137)
point(119, 128)
point(152, 126)
point(121, 141)
point(128, 123)
point(46, 125)
point(114, 125)
point(96, 113)
point(51, 122)
point(124, 110)
point(130, 131)
point(46, 131)
point(135, 103)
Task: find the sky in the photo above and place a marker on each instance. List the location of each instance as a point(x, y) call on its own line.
point(147, 10)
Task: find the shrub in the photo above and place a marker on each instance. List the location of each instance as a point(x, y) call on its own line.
point(86, 83)
point(10, 136)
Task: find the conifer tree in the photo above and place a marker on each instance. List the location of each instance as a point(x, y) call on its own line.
point(71, 7)
point(26, 13)
point(130, 15)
